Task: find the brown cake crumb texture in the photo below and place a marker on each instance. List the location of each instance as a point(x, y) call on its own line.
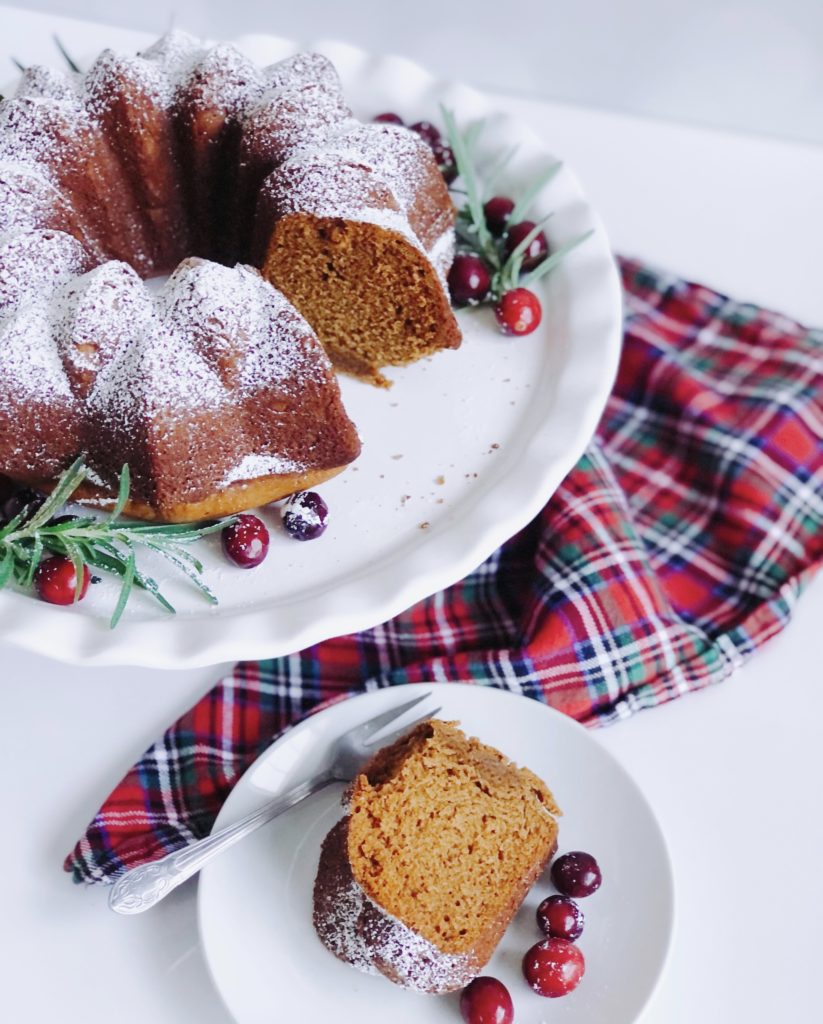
point(444, 837)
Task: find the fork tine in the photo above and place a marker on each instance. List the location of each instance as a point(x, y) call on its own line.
point(384, 741)
point(373, 725)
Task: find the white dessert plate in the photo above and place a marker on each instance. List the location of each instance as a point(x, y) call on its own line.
point(255, 901)
point(459, 455)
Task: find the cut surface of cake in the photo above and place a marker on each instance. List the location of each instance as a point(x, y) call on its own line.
point(442, 840)
point(122, 174)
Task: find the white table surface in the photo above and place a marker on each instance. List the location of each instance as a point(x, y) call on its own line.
point(733, 773)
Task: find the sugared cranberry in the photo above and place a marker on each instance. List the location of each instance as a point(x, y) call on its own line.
point(560, 917)
point(486, 1001)
point(518, 311)
point(246, 541)
point(427, 132)
point(576, 874)
point(305, 515)
point(498, 210)
point(56, 581)
point(444, 155)
point(388, 118)
point(537, 249)
point(23, 499)
point(469, 280)
point(554, 967)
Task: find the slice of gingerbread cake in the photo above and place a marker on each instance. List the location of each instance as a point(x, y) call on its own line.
point(442, 840)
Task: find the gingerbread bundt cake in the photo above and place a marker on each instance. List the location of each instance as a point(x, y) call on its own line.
point(214, 390)
point(442, 839)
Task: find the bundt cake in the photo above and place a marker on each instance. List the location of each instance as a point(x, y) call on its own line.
point(213, 389)
point(442, 839)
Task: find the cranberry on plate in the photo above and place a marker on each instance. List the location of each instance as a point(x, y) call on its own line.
point(554, 967)
point(56, 581)
point(560, 917)
point(305, 515)
point(486, 1001)
point(469, 280)
point(576, 874)
point(388, 118)
point(246, 541)
point(518, 312)
point(537, 249)
point(497, 212)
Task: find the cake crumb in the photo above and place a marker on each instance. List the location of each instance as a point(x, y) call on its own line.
point(440, 479)
point(425, 525)
point(397, 456)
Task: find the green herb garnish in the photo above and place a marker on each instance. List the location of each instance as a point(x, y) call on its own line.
point(108, 544)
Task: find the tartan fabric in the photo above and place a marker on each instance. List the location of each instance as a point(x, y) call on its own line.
point(678, 544)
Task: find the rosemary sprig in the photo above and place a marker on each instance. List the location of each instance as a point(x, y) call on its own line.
point(473, 234)
point(109, 544)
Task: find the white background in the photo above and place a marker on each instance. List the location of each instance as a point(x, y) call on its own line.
point(756, 65)
point(733, 773)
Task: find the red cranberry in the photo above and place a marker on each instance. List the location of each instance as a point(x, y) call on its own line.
point(469, 280)
point(56, 581)
point(518, 312)
point(305, 515)
point(388, 118)
point(576, 874)
point(560, 918)
point(537, 249)
point(554, 967)
point(486, 1001)
point(444, 155)
point(427, 132)
point(246, 541)
point(498, 210)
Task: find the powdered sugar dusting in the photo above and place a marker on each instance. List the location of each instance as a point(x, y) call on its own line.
point(80, 326)
point(353, 927)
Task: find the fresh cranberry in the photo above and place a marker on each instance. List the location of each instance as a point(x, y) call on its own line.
point(56, 581)
point(427, 132)
point(469, 280)
point(444, 155)
point(576, 874)
point(305, 515)
point(498, 210)
point(560, 918)
point(20, 500)
point(554, 967)
point(518, 312)
point(537, 249)
point(246, 541)
point(486, 1001)
point(388, 118)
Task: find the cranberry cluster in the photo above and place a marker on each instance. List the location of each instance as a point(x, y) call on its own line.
point(246, 541)
point(517, 310)
point(554, 966)
point(430, 134)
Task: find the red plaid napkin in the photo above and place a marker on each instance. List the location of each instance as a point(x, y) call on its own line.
point(677, 545)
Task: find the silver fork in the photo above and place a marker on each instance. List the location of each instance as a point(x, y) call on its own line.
point(143, 886)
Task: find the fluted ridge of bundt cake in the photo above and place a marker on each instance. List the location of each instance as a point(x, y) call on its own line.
point(121, 173)
point(442, 839)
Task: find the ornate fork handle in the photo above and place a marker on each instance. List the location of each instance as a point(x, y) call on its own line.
point(147, 884)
